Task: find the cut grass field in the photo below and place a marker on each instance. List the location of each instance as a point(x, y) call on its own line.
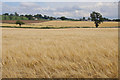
point(60, 53)
point(65, 24)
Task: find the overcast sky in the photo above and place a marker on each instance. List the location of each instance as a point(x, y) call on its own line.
point(59, 0)
point(57, 9)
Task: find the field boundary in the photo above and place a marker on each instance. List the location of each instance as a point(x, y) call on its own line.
point(54, 27)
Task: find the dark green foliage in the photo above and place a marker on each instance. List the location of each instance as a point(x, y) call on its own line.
point(30, 17)
point(97, 18)
point(88, 18)
point(83, 18)
point(46, 17)
point(7, 17)
point(6, 14)
point(16, 16)
point(118, 20)
point(13, 17)
point(38, 16)
point(20, 23)
point(63, 18)
point(106, 19)
point(47, 27)
point(52, 18)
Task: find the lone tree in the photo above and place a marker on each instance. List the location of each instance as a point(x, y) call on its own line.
point(20, 23)
point(97, 18)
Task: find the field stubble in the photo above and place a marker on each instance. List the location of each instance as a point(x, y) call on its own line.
point(66, 53)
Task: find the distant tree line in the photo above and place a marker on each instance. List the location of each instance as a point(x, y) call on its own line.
point(16, 16)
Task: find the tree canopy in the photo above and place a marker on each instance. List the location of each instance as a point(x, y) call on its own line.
point(97, 18)
point(19, 22)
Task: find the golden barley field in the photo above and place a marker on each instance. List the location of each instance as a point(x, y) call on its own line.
point(65, 24)
point(60, 53)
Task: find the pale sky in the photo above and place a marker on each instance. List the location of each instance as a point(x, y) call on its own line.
point(59, 0)
point(57, 9)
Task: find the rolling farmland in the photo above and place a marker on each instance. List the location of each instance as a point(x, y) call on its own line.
point(61, 24)
point(59, 40)
point(56, 53)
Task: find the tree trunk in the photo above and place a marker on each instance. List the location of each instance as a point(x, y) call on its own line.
point(20, 25)
point(96, 24)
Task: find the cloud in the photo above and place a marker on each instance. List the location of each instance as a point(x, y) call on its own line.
point(72, 10)
point(69, 9)
point(28, 4)
point(60, 0)
point(106, 9)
